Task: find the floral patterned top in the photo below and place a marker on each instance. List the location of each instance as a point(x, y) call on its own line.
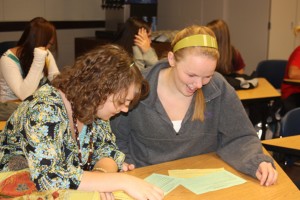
point(39, 130)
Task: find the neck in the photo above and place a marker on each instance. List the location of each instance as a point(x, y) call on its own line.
point(68, 107)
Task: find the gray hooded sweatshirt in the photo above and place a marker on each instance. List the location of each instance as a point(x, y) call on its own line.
point(146, 134)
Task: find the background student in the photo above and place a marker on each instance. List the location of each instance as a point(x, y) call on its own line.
point(230, 60)
point(30, 64)
point(135, 37)
point(191, 110)
point(63, 132)
point(291, 93)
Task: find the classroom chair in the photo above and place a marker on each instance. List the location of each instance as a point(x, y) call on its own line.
point(290, 123)
point(272, 70)
point(289, 127)
point(4, 46)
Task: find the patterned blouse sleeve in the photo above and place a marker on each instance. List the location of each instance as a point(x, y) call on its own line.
point(105, 145)
point(50, 162)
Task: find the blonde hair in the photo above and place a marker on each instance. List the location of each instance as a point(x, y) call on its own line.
point(221, 31)
point(198, 50)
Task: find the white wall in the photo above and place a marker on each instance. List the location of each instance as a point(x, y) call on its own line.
point(247, 20)
point(177, 14)
point(24, 10)
point(53, 10)
point(282, 38)
point(248, 23)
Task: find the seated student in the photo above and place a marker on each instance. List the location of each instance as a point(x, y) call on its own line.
point(291, 93)
point(27, 66)
point(191, 110)
point(63, 132)
point(135, 37)
point(232, 66)
point(230, 60)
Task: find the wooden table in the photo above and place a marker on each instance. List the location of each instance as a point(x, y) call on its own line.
point(292, 81)
point(264, 91)
point(283, 189)
point(85, 44)
point(2, 124)
point(287, 145)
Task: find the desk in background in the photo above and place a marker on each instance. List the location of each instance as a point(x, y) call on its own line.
point(82, 45)
point(263, 93)
point(283, 189)
point(292, 81)
point(287, 145)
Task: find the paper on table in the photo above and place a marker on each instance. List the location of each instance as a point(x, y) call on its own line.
point(212, 182)
point(121, 195)
point(166, 183)
point(190, 173)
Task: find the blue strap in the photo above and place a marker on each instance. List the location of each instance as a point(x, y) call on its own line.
point(14, 58)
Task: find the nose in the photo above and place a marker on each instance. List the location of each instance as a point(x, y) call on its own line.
point(198, 83)
point(124, 108)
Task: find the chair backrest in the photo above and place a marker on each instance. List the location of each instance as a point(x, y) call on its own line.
point(4, 46)
point(272, 70)
point(290, 123)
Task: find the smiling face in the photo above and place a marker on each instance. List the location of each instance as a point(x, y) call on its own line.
point(192, 72)
point(114, 105)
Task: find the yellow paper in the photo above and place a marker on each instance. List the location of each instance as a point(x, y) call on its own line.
point(120, 195)
point(190, 173)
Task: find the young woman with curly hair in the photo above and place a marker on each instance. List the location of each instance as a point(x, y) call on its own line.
point(64, 133)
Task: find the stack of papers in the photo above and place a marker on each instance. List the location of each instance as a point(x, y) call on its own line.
point(198, 181)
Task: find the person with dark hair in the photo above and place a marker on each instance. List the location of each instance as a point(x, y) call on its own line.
point(135, 37)
point(63, 130)
point(230, 60)
point(191, 110)
point(30, 64)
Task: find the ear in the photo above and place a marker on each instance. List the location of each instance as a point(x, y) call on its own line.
point(171, 59)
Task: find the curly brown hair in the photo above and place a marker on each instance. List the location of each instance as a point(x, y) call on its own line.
point(105, 70)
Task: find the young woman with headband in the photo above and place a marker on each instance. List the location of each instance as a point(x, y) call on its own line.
point(191, 110)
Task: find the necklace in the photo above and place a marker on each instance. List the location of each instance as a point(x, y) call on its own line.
point(87, 166)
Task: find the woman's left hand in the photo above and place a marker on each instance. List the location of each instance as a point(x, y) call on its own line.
point(266, 174)
point(127, 167)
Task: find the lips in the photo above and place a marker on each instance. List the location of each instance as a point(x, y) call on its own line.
point(191, 89)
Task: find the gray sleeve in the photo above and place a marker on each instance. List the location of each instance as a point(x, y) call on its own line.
point(239, 144)
point(120, 128)
point(144, 60)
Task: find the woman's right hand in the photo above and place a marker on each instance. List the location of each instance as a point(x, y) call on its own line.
point(141, 190)
point(142, 40)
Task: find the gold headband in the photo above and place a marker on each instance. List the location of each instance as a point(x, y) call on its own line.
point(199, 40)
